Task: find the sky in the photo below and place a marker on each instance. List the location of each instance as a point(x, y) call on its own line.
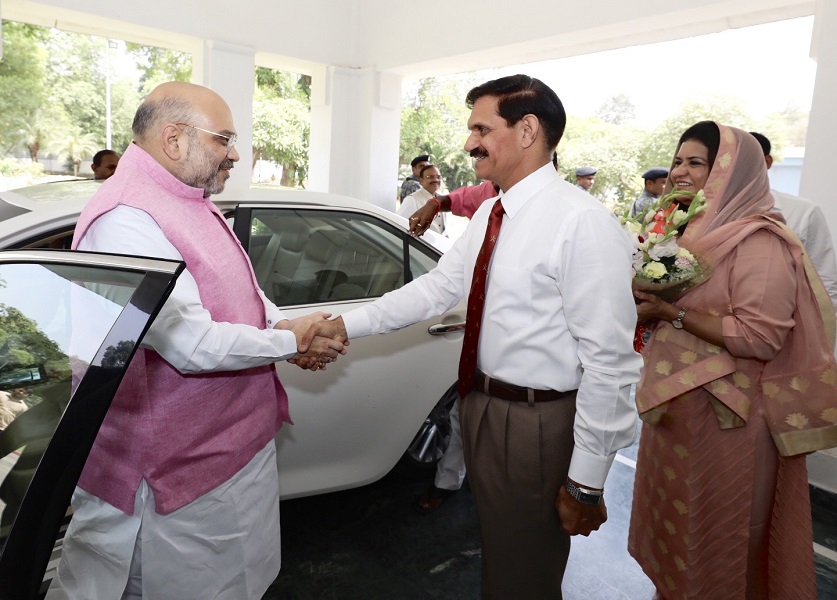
point(767, 67)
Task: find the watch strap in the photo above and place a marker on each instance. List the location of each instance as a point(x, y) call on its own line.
point(584, 495)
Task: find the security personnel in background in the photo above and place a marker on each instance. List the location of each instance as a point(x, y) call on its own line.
point(412, 183)
point(585, 177)
point(655, 183)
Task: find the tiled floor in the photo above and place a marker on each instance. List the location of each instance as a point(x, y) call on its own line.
point(370, 544)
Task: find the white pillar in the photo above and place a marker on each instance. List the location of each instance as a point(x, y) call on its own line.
point(817, 172)
point(817, 169)
point(355, 127)
point(230, 71)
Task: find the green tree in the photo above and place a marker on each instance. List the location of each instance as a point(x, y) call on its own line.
point(34, 134)
point(282, 122)
point(55, 82)
point(117, 356)
point(22, 343)
point(77, 75)
point(76, 146)
point(76, 79)
point(433, 121)
point(612, 149)
point(661, 142)
point(158, 65)
point(22, 82)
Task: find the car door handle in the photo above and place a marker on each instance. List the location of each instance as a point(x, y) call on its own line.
point(442, 329)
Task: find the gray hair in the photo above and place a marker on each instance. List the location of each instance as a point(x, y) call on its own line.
point(166, 110)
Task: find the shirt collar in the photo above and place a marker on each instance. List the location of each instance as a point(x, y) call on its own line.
point(515, 198)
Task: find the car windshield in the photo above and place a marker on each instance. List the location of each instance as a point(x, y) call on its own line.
point(58, 191)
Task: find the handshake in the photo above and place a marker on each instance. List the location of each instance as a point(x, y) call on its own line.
point(318, 340)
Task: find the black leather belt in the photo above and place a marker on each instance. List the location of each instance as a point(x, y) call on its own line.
point(516, 393)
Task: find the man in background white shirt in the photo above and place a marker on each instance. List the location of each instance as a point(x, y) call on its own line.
point(806, 220)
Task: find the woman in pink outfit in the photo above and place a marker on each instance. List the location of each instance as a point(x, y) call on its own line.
point(738, 385)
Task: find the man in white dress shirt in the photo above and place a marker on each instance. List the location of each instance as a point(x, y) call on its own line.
point(431, 181)
point(550, 405)
point(806, 220)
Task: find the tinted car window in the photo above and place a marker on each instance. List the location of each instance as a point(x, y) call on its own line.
point(69, 325)
point(422, 259)
point(51, 326)
point(311, 256)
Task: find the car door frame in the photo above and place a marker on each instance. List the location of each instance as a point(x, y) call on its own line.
point(427, 435)
point(29, 545)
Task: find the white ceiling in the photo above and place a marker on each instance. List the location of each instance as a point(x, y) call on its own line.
point(407, 38)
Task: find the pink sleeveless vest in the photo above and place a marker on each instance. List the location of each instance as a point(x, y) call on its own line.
point(184, 434)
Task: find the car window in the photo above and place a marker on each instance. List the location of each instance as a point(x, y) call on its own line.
point(311, 256)
point(58, 322)
point(422, 259)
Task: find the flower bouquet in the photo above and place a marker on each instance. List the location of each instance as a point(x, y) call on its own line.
point(660, 266)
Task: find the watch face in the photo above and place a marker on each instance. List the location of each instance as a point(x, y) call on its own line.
point(678, 321)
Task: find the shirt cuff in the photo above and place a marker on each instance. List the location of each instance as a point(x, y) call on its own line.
point(273, 316)
point(357, 323)
point(589, 470)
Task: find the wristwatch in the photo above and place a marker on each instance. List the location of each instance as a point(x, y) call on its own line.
point(678, 321)
point(584, 495)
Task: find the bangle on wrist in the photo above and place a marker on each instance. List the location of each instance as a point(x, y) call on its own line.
point(438, 204)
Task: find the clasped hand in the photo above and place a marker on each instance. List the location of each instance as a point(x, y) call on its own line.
point(318, 350)
point(652, 307)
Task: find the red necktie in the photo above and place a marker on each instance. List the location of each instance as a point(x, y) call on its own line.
point(476, 303)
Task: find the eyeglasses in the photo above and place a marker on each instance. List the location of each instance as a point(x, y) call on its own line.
point(231, 139)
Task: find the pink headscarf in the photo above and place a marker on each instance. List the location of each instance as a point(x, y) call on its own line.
point(799, 384)
point(737, 189)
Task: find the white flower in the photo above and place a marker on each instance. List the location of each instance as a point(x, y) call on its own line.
point(678, 217)
point(638, 261)
point(664, 249)
point(633, 227)
point(683, 253)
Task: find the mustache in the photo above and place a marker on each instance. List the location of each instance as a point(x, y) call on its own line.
point(478, 153)
point(227, 164)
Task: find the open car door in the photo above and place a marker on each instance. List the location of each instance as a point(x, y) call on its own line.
point(70, 322)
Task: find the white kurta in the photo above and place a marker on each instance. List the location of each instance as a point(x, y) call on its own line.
point(807, 221)
point(415, 201)
point(226, 543)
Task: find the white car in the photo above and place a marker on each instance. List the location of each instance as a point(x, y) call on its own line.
point(385, 402)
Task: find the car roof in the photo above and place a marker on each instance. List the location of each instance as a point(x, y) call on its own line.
point(35, 210)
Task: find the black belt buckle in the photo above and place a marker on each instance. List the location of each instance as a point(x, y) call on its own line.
point(512, 392)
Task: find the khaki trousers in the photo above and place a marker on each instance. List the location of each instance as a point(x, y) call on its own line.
point(517, 457)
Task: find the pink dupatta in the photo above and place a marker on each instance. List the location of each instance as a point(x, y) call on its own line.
point(799, 384)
